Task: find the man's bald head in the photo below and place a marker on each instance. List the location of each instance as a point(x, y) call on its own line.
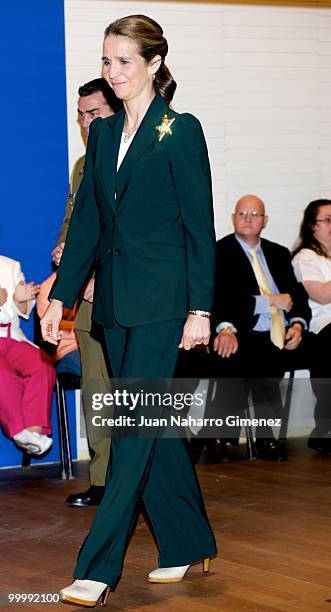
point(250, 201)
point(249, 218)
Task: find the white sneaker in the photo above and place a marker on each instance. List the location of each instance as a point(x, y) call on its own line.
point(86, 593)
point(168, 574)
point(33, 442)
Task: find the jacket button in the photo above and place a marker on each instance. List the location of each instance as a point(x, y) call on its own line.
point(118, 252)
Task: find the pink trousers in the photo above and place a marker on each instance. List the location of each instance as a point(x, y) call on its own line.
point(26, 384)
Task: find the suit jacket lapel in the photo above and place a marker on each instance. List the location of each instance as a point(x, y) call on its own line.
point(113, 145)
point(146, 134)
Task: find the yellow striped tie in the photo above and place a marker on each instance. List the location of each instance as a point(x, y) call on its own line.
point(277, 328)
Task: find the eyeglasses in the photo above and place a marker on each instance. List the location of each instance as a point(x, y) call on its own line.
point(244, 214)
point(326, 220)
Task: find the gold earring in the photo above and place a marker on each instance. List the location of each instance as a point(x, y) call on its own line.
point(153, 77)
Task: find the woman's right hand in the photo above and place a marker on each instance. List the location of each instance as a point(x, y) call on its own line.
point(50, 322)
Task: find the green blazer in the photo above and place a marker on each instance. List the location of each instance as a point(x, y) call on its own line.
point(148, 228)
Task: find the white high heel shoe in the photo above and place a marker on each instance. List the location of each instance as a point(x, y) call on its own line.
point(86, 593)
point(33, 442)
point(175, 574)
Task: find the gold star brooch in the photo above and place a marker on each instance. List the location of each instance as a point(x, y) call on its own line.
point(165, 127)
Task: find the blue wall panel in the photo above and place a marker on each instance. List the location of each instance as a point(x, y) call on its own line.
point(33, 157)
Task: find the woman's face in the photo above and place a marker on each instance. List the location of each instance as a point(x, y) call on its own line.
point(125, 69)
point(322, 226)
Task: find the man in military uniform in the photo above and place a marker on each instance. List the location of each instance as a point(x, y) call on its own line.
point(96, 99)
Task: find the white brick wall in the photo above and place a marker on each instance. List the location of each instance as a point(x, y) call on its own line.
point(259, 79)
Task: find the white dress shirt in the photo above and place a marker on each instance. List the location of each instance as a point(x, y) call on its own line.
point(124, 145)
point(309, 266)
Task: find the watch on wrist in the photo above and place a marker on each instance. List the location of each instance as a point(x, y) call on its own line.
point(230, 328)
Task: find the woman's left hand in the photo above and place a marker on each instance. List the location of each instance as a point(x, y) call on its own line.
point(196, 331)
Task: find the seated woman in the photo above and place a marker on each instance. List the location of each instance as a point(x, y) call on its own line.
point(26, 374)
point(66, 355)
point(312, 265)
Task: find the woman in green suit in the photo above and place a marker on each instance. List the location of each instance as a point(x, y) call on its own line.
point(144, 218)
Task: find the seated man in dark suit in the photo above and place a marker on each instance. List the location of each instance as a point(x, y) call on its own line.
point(261, 312)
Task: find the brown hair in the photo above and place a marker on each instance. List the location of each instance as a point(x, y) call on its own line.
point(306, 238)
point(148, 35)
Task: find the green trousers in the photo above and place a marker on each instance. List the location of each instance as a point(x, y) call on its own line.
point(157, 471)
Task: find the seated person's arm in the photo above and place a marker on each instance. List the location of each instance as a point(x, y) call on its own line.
point(3, 296)
point(42, 303)
point(89, 291)
point(293, 335)
point(23, 294)
point(317, 291)
point(283, 301)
